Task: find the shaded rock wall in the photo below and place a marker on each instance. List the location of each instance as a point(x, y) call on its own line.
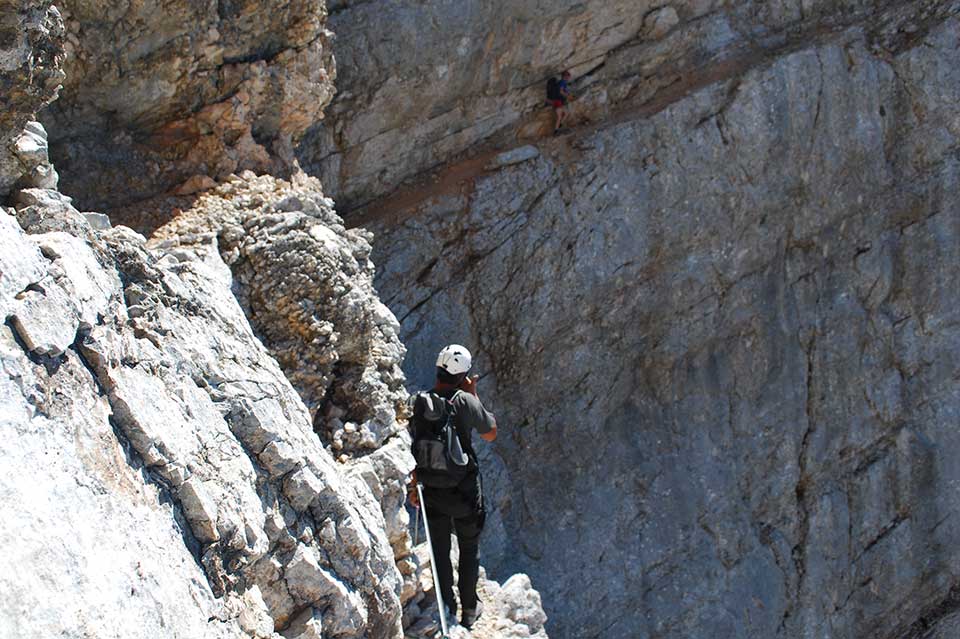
point(721, 340)
point(159, 96)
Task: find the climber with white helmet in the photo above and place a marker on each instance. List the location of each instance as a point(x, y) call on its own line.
point(447, 469)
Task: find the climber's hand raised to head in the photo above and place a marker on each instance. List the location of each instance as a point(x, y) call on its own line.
point(469, 384)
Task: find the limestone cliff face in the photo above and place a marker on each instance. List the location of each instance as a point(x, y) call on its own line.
point(717, 320)
point(718, 324)
point(421, 84)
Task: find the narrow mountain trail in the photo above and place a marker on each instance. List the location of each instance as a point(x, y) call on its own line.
point(459, 175)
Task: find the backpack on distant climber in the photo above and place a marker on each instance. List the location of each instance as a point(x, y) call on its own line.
point(441, 462)
point(553, 89)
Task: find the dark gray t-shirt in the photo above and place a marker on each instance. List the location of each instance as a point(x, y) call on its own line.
point(469, 415)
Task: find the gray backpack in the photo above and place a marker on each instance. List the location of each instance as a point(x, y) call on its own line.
point(441, 461)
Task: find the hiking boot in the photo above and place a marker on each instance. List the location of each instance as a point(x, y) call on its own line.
point(470, 616)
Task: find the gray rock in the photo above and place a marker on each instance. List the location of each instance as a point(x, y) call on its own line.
point(45, 318)
point(31, 149)
point(254, 617)
point(98, 221)
point(310, 582)
point(165, 476)
point(308, 625)
point(658, 22)
point(184, 385)
point(307, 284)
point(411, 98)
point(88, 533)
point(46, 210)
point(302, 488)
point(514, 156)
point(200, 509)
point(945, 628)
point(510, 611)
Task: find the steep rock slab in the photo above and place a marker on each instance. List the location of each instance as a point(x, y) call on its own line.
point(722, 343)
point(90, 546)
point(166, 99)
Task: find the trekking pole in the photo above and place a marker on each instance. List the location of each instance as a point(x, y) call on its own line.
point(416, 526)
point(433, 564)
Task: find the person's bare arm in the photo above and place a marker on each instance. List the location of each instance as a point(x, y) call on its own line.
point(469, 385)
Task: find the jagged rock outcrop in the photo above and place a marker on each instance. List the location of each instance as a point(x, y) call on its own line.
point(305, 283)
point(176, 433)
point(165, 101)
point(138, 368)
point(477, 74)
point(31, 51)
point(164, 473)
point(719, 331)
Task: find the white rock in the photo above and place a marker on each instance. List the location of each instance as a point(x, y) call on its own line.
point(46, 319)
point(311, 583)
point(98, 221)
point(659, 22)
point(31, 146)
point(21, 263)
point(31, 149)
point(301, 489)
point(88, 284)
point(254, 618)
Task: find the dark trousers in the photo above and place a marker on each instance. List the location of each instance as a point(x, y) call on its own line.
point(468, 538)
point(458, 510)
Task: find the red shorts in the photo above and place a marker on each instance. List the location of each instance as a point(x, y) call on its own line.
point(556, 104)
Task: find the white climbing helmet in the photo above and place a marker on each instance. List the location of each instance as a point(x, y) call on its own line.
point(454, 359)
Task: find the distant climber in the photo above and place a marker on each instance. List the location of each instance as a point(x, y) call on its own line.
point(447, 468)
point(558, 94)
